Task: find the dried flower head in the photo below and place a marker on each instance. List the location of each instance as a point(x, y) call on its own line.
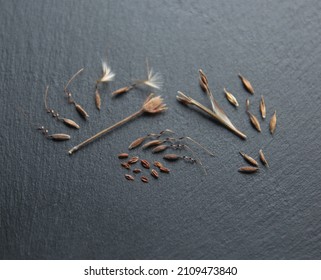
point(154, 105)
point(107, 75)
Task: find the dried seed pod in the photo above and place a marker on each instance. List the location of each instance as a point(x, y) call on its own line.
point(81, 111)
point(158, 164)
point(247, 105)
point(164, 169)
point(71, 123)
point(152, 143)
point(273, 123)
point(246, 84)
point(202, 84)
point(121, 90)
point(159, 148)
point(254, 121)
point(136, 143)
point(231, 98)
point(171, 157)
point(97, 99)
point(137, 170)
point(129, 177)
point(144, 179)
point(145, 163)
point(154, 173)
point(125, 165)
point(248, 169)
point(133, 160)
point(59, 137)
point(262, 107)
point(263, 159)
point(249, 159)
point(123, 155)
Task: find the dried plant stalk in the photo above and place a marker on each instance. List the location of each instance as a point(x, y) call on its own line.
point(231, 98)
point(249, 159)
point(262, 107)
point(246, 84)
point(254, 121)
point(263, 159)
point(248, 169)
point(273, 123)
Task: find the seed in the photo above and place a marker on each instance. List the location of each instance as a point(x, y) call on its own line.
point(247, 105)
point(273, 123)
point(136, 143)
point(249, 159)
point(81, 111)
point(123, 155)
point(263, 159)
point(71, 123)
point(171, 157)
point(59, 137)
point(121, 90)
point(254, 122)
point(152, 143)
point(262, 107)
point(145, 163)
point(202, 84)
point(144, 179)
point(231, 98)
point(154, 173)
point(125, 165)
point(246, 84)
point(137, 170)
point(97, 99)
point(129, 177)
point(248, 169)
point(159, 149)
point(164, 169)
point(133, 160)
point(158, 164)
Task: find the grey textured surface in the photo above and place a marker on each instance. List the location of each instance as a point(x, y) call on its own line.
point(58, 207)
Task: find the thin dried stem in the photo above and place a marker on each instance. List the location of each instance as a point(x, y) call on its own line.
point(73, 77)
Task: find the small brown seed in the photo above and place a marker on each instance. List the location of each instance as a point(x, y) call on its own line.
point(125, 165)
point(249, 159)
point(248, 169)
point(123, 155)
point(159, 149)
point(145, 163)
point(97, 99)
point(70, 123)
point(129, 177)
point(247, 105)
point(263, 159)
point(133, 160)
point(254, 121)
point(171, 157)
point(152, 143)
point(158, 164)
point(262, 107)
point(273, 123)
point(246, 84)
point(121, 90)
point(137, 170)
point(231, 98)
point(59, 137)
point(164, 169)
point(136, 143)
point(154, 173)
point(81, 111)
point(144, 179)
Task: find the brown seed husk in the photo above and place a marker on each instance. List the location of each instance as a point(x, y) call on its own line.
point(164, 169)
point(59, 137)
point(152, 143)
point(202, 84)
point(129, 177)
point(263, 159)
point(246, 84)
point(97, 99)
point(136, 143)
point(249, 159)
point(171, 157)
point(254, 121)
point(262, 107)
point(247, 105)
point(231, 98)
point(137, 170)
point(81, 111)
point(125, 165)
point(273, 123)
point(248, 169)
point(159, 149)
point(123, 155)
point(144, 179)
point(133, 160)
point(154, 173)
point(145, 163)
point(121, 90)
point(71, 123)
point(158, 164)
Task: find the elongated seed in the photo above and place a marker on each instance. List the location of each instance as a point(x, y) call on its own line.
point(71, 123)
point(254, 121)
point(248, 169)
point(133, 160)
point(158, 164)
point(171, 157)
point(154, 173)
point(137, 170)
point(246, 84)
point(144, 179)
point(152, 143)
point(202, 84)
point(247, 105)
point(159, 148)
point(121, 90)
point(164, 169)
point(263, 159)
point(249, 159)
point(136, 143)
point(81, 111)
point(59, 137)
point(123, 155)
point(129, 177)
point(262, 107)
point(145, 163)
point(231, 98)
point(97, 99)
point(125, 165)
point(273, 123)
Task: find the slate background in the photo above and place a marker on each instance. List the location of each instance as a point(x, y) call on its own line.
point(54, 206)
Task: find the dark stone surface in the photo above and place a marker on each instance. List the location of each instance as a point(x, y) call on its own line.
point(58, 207)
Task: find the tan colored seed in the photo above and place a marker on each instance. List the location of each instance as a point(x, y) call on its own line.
point(136, 143)
point(71, 123)
point(121, 90)
point(154, 173)
point(144, 179)
point(273, 123)
point(123, 155)
point(129, 177)
point(248, 169)
point(158, 164)
point(159, 149)
point(145, 163)
point(125, 165)
point(152, 143)
point(203, 77)
point(164, 169)
point(254, 121)
point(246, 84)
point(263, 159)
point(133, 160)
point(171, 157)
point(97, 99)
point(137, 170)
point(59, 137)
point(247, 105)
point(81, 111)
point(231, 98)
point(262, 107)
point(249, 159)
